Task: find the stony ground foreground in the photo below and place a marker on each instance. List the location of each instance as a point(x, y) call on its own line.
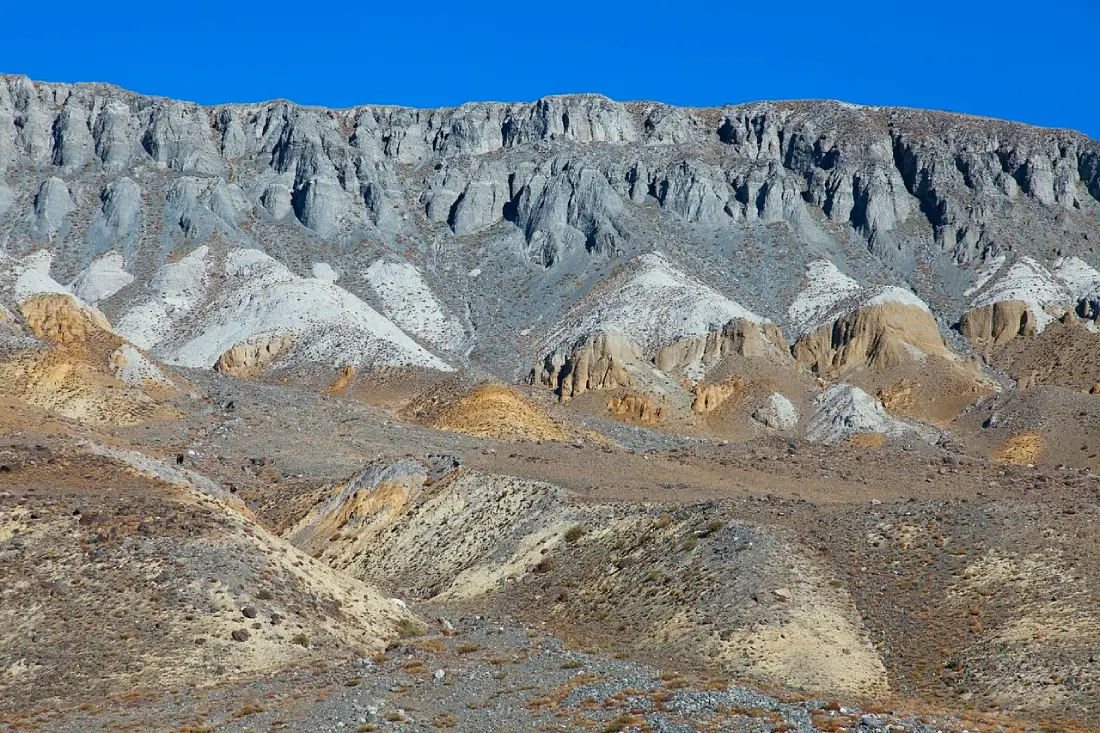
point(964, 585)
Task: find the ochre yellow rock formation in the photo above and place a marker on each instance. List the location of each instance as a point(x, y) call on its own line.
point(1022, 448)
point(878, 337)
point(247, 359)
point(498, 411)
point(73, 376)
point(709, 397)
point(343, 380)
point(998, 323)
point(638, 407)
point(739, 337)
point(900, 398)
point(61, 320)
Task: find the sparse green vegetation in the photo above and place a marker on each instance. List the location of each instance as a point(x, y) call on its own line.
point(250, 708)
point(444, 720)
point(408, 627)
point(574, 533)
point(621, 723)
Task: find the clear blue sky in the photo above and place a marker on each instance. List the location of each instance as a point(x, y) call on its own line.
point(1036, 62)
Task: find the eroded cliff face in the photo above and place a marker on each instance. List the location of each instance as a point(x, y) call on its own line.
point(877, 336)
point(887, 342)
point(608, 361)
point(599, 362)
point(738, 337)
point(998, 323)
point(61, 320)
point(509, 214)
point(563, 170)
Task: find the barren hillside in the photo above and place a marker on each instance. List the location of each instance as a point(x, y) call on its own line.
point(553, 415)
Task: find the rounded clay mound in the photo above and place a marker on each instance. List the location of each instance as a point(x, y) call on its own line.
point(498, 411)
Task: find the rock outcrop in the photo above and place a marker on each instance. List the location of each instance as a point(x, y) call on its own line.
point(738, 337)
point(496, 411)
point(709, 397)
point(872, 169)
point(842, 411)
point(344, 378)
point(599, 362)
point(248, 359)
point(878, 338)
point(650, 302)
point(1021, 449)
point(364, 502)
point(560, 204)
point(777, 413)
point(650, 314)
point(1024, 299)
point(998, 323)
point(61, 320)
point(881, 333)
point(79, 368)
point(638, 407)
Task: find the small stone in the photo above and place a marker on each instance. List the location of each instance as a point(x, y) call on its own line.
point(240, 635)
point(439, 674)
point(783, 594)
point(249, 612)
